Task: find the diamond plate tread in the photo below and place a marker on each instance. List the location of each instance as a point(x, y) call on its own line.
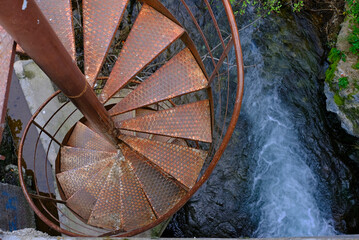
point(122, 203)
point(108, 209)
point(72, 158)
point(59, 15)
point(136, 211)
point(83, 201)
point(151, 34)
point(162, 192)
point(84, 137)
point(101, 19)
point(6, 53)
point(73, 180)
point(190, 121)
point(180, 75)
point(182, 163)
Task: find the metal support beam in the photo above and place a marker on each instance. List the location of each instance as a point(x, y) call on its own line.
point(24, 21)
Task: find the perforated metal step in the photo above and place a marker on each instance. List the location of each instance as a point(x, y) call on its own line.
point(150, 35)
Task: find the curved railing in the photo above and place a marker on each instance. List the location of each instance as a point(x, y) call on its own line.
point(224, 66)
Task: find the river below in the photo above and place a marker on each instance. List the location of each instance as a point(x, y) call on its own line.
point(289, 170)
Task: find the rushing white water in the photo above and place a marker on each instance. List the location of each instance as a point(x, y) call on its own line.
point(284, 187)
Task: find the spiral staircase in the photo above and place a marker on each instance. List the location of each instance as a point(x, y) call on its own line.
point(153, 161)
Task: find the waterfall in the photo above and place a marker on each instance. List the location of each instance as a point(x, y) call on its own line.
point(283, 185)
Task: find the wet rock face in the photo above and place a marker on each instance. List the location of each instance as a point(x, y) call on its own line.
point(342, 90)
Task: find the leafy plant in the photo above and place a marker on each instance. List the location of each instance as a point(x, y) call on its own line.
point(335, 55)
point(343, 82)
point(353, 38)
point(356, 66)
point(353, 11)
point(298, 6)
point(265, 7)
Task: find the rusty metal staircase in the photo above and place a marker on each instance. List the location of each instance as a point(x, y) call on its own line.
point(136, 163)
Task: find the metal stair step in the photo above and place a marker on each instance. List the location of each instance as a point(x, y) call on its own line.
point(101, 19)
point(122, 203)
point(180, 75)
point(83, 137)
point(108, 209)
point(190, 121)
point(59, 14)
point(72, 157)
point(161, 191)
point(83, 201)
point(151, 34)
point(73, 180)
point(180, 162)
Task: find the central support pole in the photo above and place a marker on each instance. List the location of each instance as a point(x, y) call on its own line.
point(24, 21)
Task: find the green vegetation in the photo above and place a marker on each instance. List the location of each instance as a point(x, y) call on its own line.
point(338, 99)
point(343, 82)
point(356, 66)
point(330, 73)
point(335, 55)
point(356, 85)
point(266, 7)
point(353, 38)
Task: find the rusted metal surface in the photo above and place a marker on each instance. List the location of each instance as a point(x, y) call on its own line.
point(83, 201)
point(121, 203)
point(199, 30)
point(7, 54)
point(107, 212)
point(59, 14)
point(145, 42)
point(227, 136)
point(29, 27)
point(101, 19)
point(72, 158)
point(47, 198)
point(73, 180)
point(190, 121)
point(84, 137)
point(182, 163)
point(137, 211)
point(146, 224)
point(221, 60)
point(214, 20)
point(156, 4)
point(178, 76)
point(161, 191)
point(42, 129)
